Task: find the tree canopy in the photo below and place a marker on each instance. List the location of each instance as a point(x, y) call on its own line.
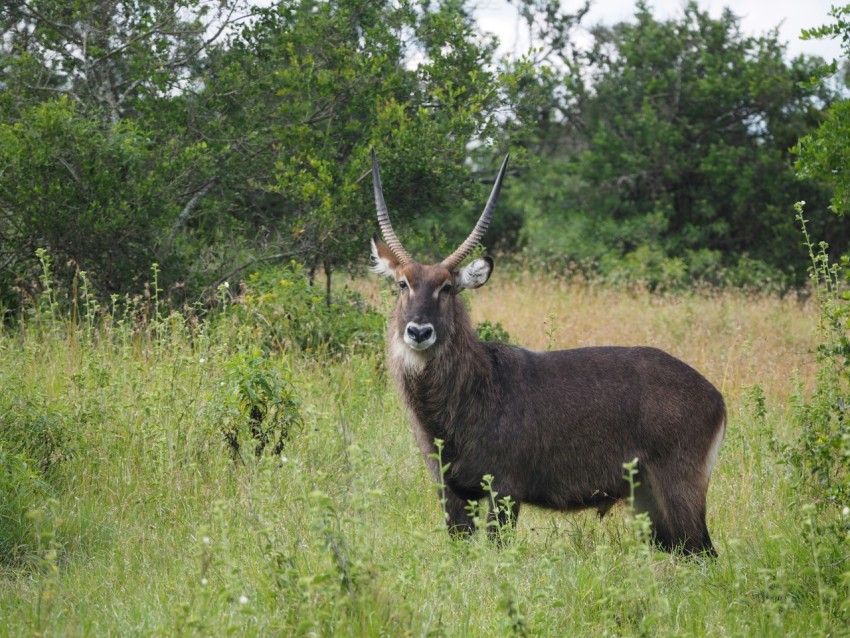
point(210, 136)
point(673, 152)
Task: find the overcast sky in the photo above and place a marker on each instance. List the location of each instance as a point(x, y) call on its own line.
point(757, 17)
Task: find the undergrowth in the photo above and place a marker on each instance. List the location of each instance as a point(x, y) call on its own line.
point(248, 470)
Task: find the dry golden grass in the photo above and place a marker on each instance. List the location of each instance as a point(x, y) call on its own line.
point(736, 339)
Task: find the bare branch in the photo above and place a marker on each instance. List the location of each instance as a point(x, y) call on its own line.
point(187, 210)
point(70, 169)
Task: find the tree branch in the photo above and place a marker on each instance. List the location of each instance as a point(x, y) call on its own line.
point(187, 210)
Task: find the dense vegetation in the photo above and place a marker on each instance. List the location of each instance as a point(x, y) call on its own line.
point(197, 438)
point(144, 493)
point(659, 152)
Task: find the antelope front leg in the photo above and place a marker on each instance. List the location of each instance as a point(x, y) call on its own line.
point(458, 520)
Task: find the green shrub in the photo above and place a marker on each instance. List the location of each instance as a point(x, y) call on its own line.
point(822, 451)
point(489, 331)
point(287, 312)
point(33, 429)
point(265, 403)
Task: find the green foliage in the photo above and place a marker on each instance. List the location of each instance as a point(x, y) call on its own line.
point(22, 492)
point(490, 331)
point(98, 164)
point(340, 533)
point(824, 154)
point(672, 162)
point(821, 453)
point(31, 428)
point(823, 450)
point(288, 313)
point(266, 402)
point(658, 155)
point(231, 150)
point(60, 171)
point(344, 84)
point(125, 57)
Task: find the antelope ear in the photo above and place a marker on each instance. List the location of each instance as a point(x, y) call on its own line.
point(475, 274)
point(384, 262)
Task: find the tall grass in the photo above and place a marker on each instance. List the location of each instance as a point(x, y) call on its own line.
point(153, 523)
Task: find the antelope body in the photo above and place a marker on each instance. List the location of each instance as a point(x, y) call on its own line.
point(553, 428)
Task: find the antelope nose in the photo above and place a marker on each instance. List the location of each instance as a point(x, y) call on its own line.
point(419, 333)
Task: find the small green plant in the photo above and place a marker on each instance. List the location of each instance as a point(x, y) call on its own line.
point(550, 329)
point(47, 564)
point(495, 332)
point(47, 304)
point(32, 427)
point(265, 399)
point(638, 523)
point(822, 451)
point(501, 517)
point(510, 605)
point(442, 468)
point(289, 313)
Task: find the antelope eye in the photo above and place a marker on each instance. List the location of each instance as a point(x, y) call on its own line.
point(402, 285)
point(447, 287)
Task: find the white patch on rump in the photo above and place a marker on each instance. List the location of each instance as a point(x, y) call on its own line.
point(711, 459)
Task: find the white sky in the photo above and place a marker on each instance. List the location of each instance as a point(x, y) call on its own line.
point(757, 17)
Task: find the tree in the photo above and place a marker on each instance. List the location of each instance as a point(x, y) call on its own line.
point(95, 162)
point(321, 83)
point(672, 150)
point(110, 57)
point(94, 197)
point(824, 154)
point(209, 138)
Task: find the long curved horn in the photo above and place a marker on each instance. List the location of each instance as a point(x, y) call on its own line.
point(384, 217)
point(451, 262)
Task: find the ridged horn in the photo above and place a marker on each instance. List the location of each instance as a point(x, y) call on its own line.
point(387, 231)
point(452, 261)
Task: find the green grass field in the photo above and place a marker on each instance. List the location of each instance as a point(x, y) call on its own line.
point(135, 516)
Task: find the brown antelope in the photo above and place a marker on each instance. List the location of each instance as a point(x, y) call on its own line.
point(553, 429)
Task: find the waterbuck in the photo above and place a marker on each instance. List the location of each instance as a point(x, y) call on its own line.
point(553, 429)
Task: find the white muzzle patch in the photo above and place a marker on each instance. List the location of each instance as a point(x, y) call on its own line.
point(419, 336)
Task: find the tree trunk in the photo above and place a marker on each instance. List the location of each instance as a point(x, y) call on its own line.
point(328, 269)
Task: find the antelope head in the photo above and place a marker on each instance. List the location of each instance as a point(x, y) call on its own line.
point(428, 311)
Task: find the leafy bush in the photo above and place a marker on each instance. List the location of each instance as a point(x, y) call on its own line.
point(821, 453)
point(287, 312)
point(265, 402)
point(59, 186)
point(638, 252)
point(489, 331)
point(670, 174)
